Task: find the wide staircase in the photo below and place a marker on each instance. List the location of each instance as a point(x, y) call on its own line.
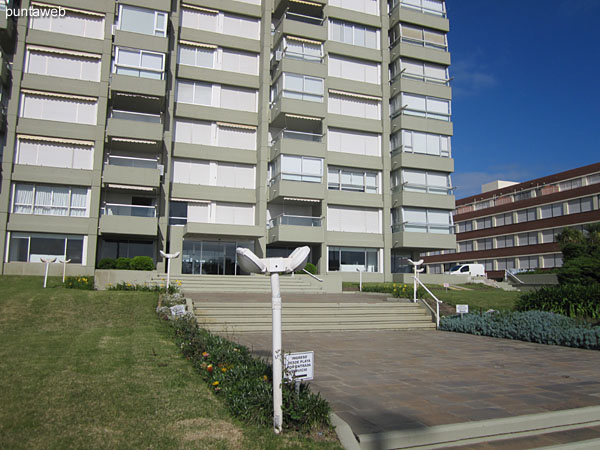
point(244, 283)
point(244, 317)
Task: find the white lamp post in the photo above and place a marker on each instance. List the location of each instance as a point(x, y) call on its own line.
point(47, 262)
point(169, 257)
point(417, 271)
point(360, 271)
point(249, 262)
point(64, 263)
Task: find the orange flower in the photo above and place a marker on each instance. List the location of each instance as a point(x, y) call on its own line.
point(205, 354)
point(224, 369)
point(209, 368)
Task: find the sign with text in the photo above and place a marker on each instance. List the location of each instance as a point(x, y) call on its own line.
point(299, 366)
point(462, 309)
point(177, 310)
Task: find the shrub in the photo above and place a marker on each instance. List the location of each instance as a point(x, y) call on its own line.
point(107, 263)
point(570, 300)
point(244, 382)
point(530, 326)
point(124, 286)
point(311, 268)
point(123, 264)
point(86, 283)
point(141, 263)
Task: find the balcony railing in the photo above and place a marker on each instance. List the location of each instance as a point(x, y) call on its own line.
point(423, 188)
point(423, 78)
point(302, 56)
point(116, 209)
point(301, 18)
point(137, 116)
point(127, 161)
point(288, 176)
point(299, 221)
point(406, 110)
point(419, 227)
point(298, 135)
point(425, 10)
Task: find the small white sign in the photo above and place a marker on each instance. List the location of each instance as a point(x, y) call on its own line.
point(299, 366)
point(446, 285)
point(462, 309)
point(177, 310)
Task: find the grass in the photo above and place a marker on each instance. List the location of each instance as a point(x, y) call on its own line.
point(97, 369)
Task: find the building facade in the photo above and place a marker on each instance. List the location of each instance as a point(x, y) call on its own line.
point(202, 125)
point(512, 226)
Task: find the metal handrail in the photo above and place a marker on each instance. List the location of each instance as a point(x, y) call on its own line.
point(423, 9)
point(437, 302)
point(427, 188)
point(277, 220)
point(151, 163)
point(402, 226)
point(284, 131)
point(423, 78)
point(314, 276)
point(507, 273)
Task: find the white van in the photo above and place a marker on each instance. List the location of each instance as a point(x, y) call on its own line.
point(468, 269)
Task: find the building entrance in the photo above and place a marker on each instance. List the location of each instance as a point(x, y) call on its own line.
point(212, 257)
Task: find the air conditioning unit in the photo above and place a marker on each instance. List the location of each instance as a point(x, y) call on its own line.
point(278, 55)
point(161, 169)
point(113, 29)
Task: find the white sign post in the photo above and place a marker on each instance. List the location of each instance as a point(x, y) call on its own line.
point(417, 271)
point(47, 262)
point(169, 257)
point(249, 262)
point(299, 366)
point(462, 309)
point(64, 263)
point(360, 271)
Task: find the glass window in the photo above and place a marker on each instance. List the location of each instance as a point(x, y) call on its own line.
point(342, 179)
point(464, 227)
point(354, 34)
point(32, 247)
point(297, 168)
point(50, 200)
point(422, 220)
point(139, 63)
point(197, 56)
point(420, 106)
point(142, 20)
point(73, 23)
point(349, 259)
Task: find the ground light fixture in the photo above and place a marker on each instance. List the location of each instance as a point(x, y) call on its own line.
point(249, 262)
point(417, 271)
point(64, 263)
point(47, 261)
point(169, 257)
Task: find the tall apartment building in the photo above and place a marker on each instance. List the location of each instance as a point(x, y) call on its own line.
point(513, 226)
point(201, 125)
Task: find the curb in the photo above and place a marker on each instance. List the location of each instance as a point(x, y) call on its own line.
point(344, 433)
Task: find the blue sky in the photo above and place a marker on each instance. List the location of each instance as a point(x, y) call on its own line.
point(526, 88)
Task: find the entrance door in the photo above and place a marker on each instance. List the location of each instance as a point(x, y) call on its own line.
point(213, 258)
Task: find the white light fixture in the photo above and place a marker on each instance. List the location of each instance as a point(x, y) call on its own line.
point(417, 271)
point(47, 261)
point(249, 262)
point(169, 257)
point(64, 263)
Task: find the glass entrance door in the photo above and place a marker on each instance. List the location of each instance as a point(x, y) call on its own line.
point(211, 257)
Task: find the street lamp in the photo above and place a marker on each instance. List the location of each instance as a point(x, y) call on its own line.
point(47, 261)
point(249, 262)
point(417, 271)
point(169, 257)
point(64, 263)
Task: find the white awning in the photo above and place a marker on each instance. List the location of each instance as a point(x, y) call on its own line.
point(56, 94)
point(308, 41)
point(68, 8)
point(52, 139)
point(304, 2)
point(189, 200)
point(197, 44)
point(352, 94)
point(63, 51)
point(125, 94)
point(129, 187)
point(296, 116)
point(237, 125)
point(134, 141)
point(295, 199)
point(199, 8)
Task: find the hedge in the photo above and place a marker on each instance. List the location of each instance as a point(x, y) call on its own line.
point(135, 263)
point(570, 300)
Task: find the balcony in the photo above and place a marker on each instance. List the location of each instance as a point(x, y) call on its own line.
point(294, 142)
point(128, 219)
point(309, 106)
point(284, 186)
point(130, 170)
point(306, 23)
point(138, 85)
point(291, 228)
point(135, 125)
point(423, 236)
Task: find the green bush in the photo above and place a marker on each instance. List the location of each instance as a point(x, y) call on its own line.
point(530, 326)
point(141, 263)
point(107, 263)
point(572, 300)
point(123, 264)
point(245, 382)
point(124, 286)
point(311, 268)
point(85, 283)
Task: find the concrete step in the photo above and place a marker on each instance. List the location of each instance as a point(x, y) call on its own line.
point(259, 328)
point(242, 283)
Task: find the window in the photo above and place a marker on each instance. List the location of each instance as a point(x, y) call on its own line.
point(465, 246)
point(420, 106)
point(142, 20)
point(139, 63)
point(197, 56)
point(593, 179)
point(434, 7)
point(238, 98)
point(432, 268)
point(58, 107)
point(483, 223)
point(125, 248)
point(178, 213)
point(207, 94)
point(353, 34)
point(412, 180)
point(352, 141)
point(198, 211)
point(414, 35)
point(400, 262)
point(528, 262)
point(239, 61)
point(50, 200)
point(364, 6)
point(50, 152)
point(341, 179)
point(213, 173)
point(299, 87)
point(421, 220)
point(505, 241)
point(354, 105)
point(523, 195)
point(413, 69)
point(62, 63)
point(220, 22)
point(464, 227)
point(527, 238)
point(570, 184)
point(32, 247)
point(297, 168)
point(554, 210)
point(233, 213)
point(526, 215)
point(550, 261)
point(580, 205)
point(485, 244)
point(84, 24)
point(504, 219)
point(423, 143)
point(488, 264)
point(236, 136)
point(354, 69)
point(215, 133)
point(349, 259)
point(353, 220)
point(302, 49)
point(550, 235)
point(505, 263)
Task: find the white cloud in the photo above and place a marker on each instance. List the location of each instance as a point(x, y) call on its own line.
point(469, 183)
point(470, 79)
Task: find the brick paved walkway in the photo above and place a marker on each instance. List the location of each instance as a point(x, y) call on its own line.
point(383, 380)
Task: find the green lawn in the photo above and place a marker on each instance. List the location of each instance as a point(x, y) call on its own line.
point(87, 369)
point(480, 297)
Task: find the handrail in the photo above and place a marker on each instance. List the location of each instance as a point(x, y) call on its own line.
point(437, 304)
point(314, 276)
point(507, 273)
point(281, 135)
